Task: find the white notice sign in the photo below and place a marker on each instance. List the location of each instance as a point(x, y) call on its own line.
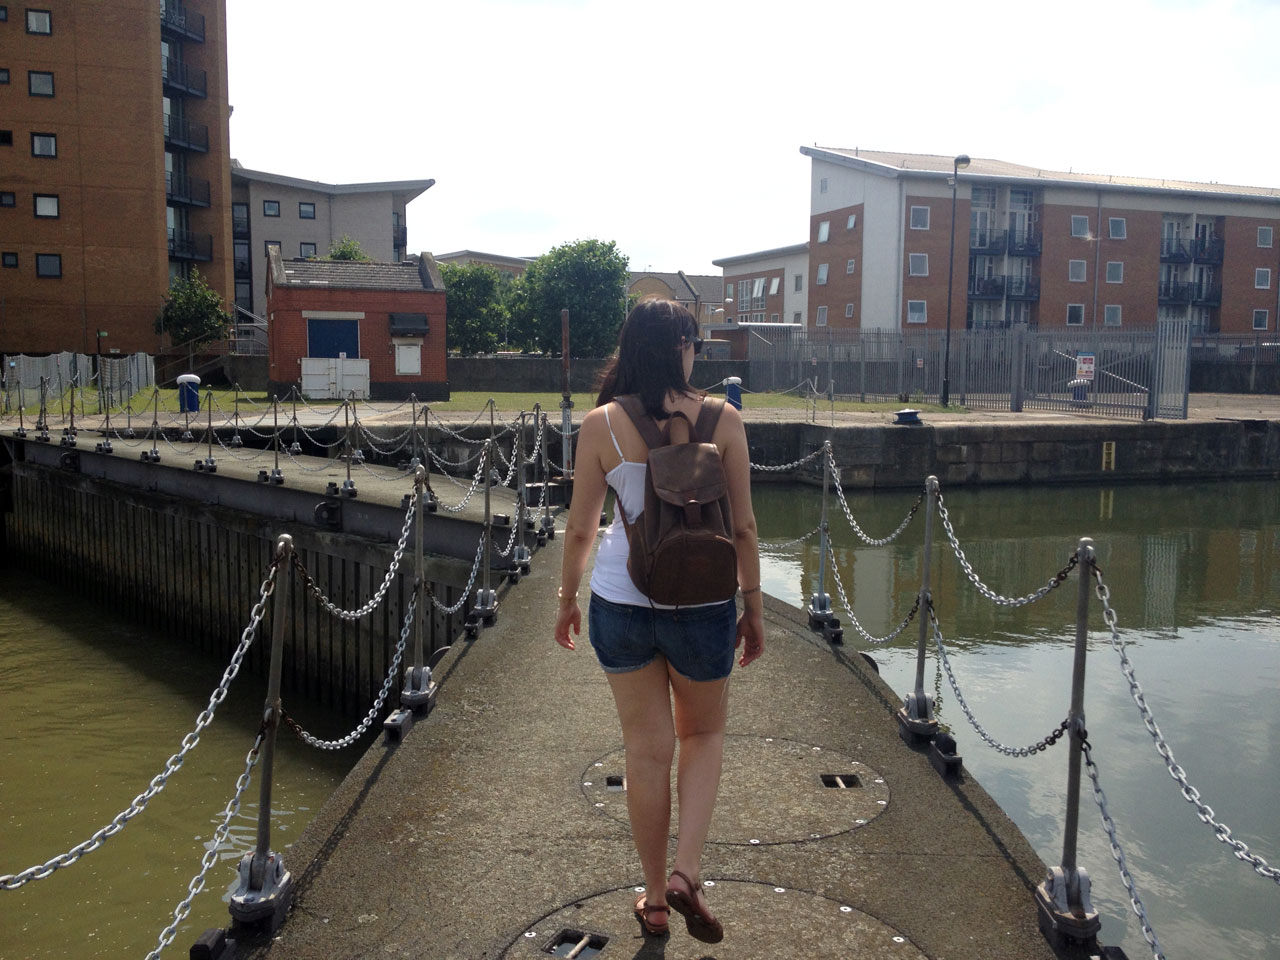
point(1084, 366)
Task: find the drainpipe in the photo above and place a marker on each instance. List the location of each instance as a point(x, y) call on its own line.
point(1097, 255)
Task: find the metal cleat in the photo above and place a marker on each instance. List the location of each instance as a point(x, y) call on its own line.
point(397, 725)
point(295, 449)
point(357, 456)
point(210, 466)
point(523, 559)
point(419, 693)
point(486, 609)
point(267, 903)
point(349, 488)
point(943, 756)
point(103, 447)
point(236, 443)
point(186, 437)
point(277, 477)
point(916, 723)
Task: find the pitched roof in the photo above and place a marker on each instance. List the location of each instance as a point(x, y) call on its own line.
point(687, 286)
point(355, 274)
point(936, 165)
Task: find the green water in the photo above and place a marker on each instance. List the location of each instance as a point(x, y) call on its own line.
point(1194, 571)
point(93, 708)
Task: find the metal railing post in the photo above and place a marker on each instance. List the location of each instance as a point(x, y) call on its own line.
point(1062, 900)
point(266, 887)
point(820, 602)
point(295, 448)
point(521, 556)
point(486, 607)
point(348, 485)
point(208, 465)
point(22, 425)
point(419, 693)
point(548, 525)
point(275, 476)
point(426, 458)
point(413, 409)
point(916, 722)
point(235, 429)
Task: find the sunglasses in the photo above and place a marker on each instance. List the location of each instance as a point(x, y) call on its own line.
point(696, 341)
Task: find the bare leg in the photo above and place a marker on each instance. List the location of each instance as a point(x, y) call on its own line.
point(644, 707)
point(700, 712)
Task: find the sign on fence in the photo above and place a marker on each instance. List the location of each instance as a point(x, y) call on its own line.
point(1084, 366)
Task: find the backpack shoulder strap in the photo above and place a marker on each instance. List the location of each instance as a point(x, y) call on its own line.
point(649, 431)
point(709, 416)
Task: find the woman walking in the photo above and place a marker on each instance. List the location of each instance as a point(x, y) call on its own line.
point(654, 655)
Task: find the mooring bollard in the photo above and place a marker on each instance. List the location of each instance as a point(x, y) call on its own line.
point(265, 889)
point(1062, 900)
point(916, 722)
point(821, 616)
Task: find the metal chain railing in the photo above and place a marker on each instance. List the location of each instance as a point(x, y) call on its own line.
point(466, 591)
point(41, 871)
point(848, 607)
point(788, 543)
point(779, 468)
point(392, 672)
point(476, 480)
point(1054, 581)
point(848, 514)
point(212, 853)
point(1189, 793)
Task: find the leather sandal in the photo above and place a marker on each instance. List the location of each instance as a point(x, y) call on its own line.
point(700, 922)
point(643, 910)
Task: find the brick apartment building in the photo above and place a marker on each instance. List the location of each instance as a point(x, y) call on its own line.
point(1032, 246)
point(114, 167)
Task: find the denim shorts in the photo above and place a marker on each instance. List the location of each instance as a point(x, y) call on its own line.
point(698, 642)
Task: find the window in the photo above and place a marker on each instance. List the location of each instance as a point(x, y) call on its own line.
point(917, 311)
point(849, 265)
point(1111, 315)
point(1259, 317)
point(918, 264)
point(4, 74)
point(408, 359)
point(773, 318)
point(848, 309)
point(46, 205)
point(44, 145)
point(1076, 271)
point(852, 221)
point(4, 14)
point(795, 317)
point(1117, 228)
point(48, 264)
point(244, 293)
point(268, 244)
point(822, 185)
point(919, 218)
point(8, 199)
point(10, 259)
point(822, 274)
point(773, 286)
point(799, 282)
point(728, 290)
point(744, 296)
point(1075, 314)
point(6, 138)
point(822, 316)
point(824, 231)
point(1262, 278)
point(39, 21)
point(757, 294)
point(1115, 271)
point(1079, 226)
point(1265, 235)
point(306, 249)
point(306, 211)
point(39, 83)
point(271, 208)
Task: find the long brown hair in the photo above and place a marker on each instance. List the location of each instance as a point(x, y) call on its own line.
point(649, 361)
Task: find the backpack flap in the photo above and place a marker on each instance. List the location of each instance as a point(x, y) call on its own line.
point(688, 474)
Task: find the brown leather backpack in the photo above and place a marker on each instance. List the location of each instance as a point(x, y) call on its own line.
point(681, 547)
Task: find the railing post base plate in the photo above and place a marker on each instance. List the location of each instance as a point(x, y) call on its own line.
point(263, 909)
point(1056, 917)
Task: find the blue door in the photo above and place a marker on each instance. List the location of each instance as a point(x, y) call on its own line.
point(331, 338)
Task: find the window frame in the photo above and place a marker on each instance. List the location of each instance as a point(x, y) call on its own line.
point(31, 75)
point(35, 206)
point(1107, 314)
point(1083, 266)
point(851, 222)
point(823, 184)
point(773, 285)
point(1075, 306)
point(1266, 319)
point(304, 203)
point(799, 284)
point(820, 318)
point(9, 259)
point(8, 198)
point(1077, 217)
point(850, 266)
point(820, 279)
point(911, 217)
point(1111, 228)
point(1271, 237)
point(911, 265)
point(4, 13)
point(922, 313)
point(795, 317)
point(44, 274)
point(48, 18)
point(303, 253)
point(824, 231)
point(1115, 263)
point(6, 138)
point(42, 135)
point(4, 75)
point(271, 203)
point(1262, 278)
point(848, 310)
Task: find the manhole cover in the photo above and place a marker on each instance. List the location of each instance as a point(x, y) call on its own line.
point(772, 790)
point(760, 921)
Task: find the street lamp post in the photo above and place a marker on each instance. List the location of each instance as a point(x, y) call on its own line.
point(960, 162)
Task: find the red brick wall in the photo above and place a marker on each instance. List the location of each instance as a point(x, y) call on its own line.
point(842, 287)
point(1056, 291)
point(772, 303)
point(1241, 257)
point(935, 242)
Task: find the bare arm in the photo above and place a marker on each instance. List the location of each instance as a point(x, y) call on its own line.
point(732, 437)
point(584, 520)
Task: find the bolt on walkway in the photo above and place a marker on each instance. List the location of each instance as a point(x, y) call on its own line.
point(498, 827)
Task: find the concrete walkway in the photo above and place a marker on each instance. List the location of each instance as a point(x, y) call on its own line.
point(492, 828)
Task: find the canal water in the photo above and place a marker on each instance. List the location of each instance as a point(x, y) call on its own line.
point(1194, 572)
point(93, 708)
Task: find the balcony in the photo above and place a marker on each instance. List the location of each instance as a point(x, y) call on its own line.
point(1176, 292)
point(1175, 250)
point(185, 245)
point(1024, 243)
point(177, 78)
point(177, 23)
point(240, 228)
point(1022, 288)
point(180, 188)
point(986, 243)
point(1207, 250)
point(185, 135)
point(1207, 294)
point(986, 288)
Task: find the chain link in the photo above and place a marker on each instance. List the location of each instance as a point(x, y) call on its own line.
point(789, 543)
point(848, 514)
point(475, 483)
point(1055, 581)
point(41, 871)
point(848, 607)
point(1040, 746)
point(787, 466)
point(1117, 853)
point(1189, 793)
point(466, 592)
point(211, 854)
point(381, 592)
point(358, 732)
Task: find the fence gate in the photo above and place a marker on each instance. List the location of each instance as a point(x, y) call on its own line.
point(1171, 373)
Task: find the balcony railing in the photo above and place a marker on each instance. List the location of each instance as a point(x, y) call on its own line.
point(986, 243)
point(1207, 294)
point(1024, 243)
point(1022, 288)
point(986, 288)
point(180, 188)
point(240, 228)
point(1175, 250)
point(177, 21)
point(179, 78)
point(1207, 250)
point(1176, 291)
point(185, 134)
point(185, 245)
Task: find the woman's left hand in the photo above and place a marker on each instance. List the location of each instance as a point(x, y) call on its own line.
point(569, 616)
point(751, 630)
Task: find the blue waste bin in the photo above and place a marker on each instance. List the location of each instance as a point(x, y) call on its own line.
point(1079, 392)
point(188, 393)
point(733, 391)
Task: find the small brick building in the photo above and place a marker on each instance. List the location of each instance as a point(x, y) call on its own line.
point(390, 314)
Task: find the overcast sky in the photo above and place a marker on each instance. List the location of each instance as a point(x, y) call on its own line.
point(674, 128)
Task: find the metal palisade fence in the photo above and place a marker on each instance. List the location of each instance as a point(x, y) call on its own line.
point(1140, 373)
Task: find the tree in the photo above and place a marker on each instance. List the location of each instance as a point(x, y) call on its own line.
point(192, 311)
point(474, 303)
point(589, 277)
point(348, 249)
